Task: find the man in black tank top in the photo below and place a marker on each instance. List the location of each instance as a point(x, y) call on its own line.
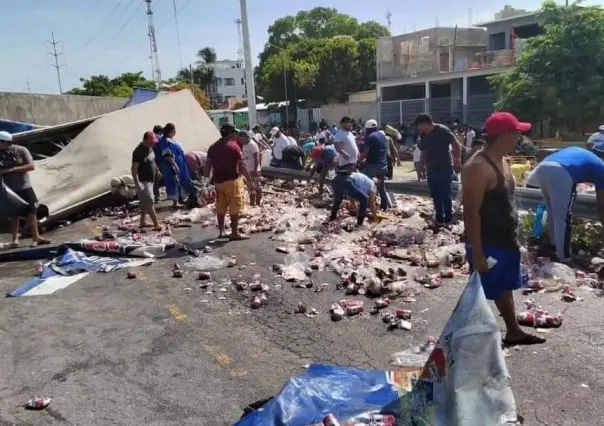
point(491, 221)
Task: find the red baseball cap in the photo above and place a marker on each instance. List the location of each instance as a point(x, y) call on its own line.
point(150, 136)
point(500, 123)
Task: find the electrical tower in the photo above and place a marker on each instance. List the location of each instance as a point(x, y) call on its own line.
point(154, 56)
point(56, 55)
point(389, 20)
point(240, 40)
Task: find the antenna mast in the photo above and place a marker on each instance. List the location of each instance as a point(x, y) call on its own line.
point(154, 56)
point(389, 20)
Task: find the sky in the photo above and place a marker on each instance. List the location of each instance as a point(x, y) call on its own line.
point(110, 36)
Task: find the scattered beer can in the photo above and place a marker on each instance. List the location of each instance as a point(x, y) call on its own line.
point(330, 420)
point(403, 313)
point(37, 403)
point(447, 273)
point(132, 275)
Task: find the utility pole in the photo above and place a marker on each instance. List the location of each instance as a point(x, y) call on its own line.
point(56, 55)
point(249, 73)
point(153, 55)
point(192, 82)
point(27, 85)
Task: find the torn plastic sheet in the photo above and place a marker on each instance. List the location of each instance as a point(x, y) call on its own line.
point(206, 263)
point(117, 248)
point(68, 267)
point(465, 382)
point(294, 267)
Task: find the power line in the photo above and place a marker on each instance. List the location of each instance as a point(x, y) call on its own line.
point(177, 32)
point(120, 31)
point(157, 33)
point(90, 15)
point(56, 55)
point(103, 24)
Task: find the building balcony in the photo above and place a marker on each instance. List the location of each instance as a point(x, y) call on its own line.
point(424, 66)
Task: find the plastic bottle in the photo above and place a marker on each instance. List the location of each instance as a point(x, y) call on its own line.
point(538, 225)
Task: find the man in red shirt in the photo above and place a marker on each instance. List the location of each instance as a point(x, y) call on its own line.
point(226, 160)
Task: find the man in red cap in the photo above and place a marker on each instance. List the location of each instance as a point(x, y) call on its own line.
point(491, 221)
point(144, 173)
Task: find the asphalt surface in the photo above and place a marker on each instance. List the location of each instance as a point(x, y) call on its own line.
point(158, 350)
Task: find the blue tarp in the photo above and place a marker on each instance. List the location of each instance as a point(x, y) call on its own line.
point(14, 126)
point(326, 389)
point(141, 95)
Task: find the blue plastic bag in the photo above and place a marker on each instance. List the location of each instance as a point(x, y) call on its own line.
point(538, 225)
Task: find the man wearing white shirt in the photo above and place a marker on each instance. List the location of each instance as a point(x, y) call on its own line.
point(346, 145)
point(280, 141)
point(252, 161)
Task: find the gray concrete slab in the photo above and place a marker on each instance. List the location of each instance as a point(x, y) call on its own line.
point(113, 351)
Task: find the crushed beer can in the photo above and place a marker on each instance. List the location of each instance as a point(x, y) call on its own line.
point(131, 275)
point(337, 312)
point(39, 268)
point(382, 303)
point(403, 313)
point(204, 276)
point(37, 403)
point(568, 293)
point(447, 273)
point(330, 420)
point(177, 271)
point(535, 285)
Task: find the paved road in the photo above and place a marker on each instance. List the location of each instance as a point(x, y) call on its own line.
point(148, 352)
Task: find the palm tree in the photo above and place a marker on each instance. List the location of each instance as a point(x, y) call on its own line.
point(206, 57)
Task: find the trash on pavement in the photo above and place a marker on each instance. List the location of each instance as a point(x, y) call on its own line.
point(37, 403)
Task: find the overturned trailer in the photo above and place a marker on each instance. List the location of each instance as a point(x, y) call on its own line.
point(76, 161)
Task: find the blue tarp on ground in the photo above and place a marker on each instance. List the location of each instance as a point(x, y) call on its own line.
point(141, 95)
point(15, 126)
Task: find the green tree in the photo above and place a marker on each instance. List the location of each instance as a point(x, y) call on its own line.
point(120, 87)
point(560, 73)
point(326, 54)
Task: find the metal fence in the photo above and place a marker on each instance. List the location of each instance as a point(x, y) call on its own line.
point(479, 108)
point(446, 109)
point(527, 199)
point(399, 112)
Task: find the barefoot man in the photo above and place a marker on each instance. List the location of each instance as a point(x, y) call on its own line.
point(15, 164)
point(226, 160)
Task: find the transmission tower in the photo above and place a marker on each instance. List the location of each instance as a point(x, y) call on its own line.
point(240, 40)
point(53, 43)
point(154, 56)
point(389, 20)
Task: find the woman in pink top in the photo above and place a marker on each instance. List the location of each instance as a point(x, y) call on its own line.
point(196, 161)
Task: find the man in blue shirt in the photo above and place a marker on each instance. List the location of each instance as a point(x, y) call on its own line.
point(375, 153)
point(557, 176)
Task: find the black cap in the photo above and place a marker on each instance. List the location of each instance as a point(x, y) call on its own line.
point(423, 118)
point(227, 127)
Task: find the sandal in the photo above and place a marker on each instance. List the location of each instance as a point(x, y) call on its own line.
point(14, 246)
point(528, 340)
point(239, 237)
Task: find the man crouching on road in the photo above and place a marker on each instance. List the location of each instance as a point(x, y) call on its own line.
point(345, 184)
point(15, 164)
point(226, 160)
point(145, 173)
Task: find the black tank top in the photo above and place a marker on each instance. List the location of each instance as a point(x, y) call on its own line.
point(498, 218)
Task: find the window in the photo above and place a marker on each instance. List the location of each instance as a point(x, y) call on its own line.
point(218, 81)
point(223, 120)
point(242, 82)
point(229, 81)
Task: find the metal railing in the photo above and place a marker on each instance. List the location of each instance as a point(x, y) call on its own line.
point(527, 199)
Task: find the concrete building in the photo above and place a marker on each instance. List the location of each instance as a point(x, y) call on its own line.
point(444, 71)
point(229, 81)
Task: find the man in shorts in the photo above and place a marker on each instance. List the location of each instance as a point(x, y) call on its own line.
point(252, 160)
point(145, 172)
point(226, 160)
point(15, 164)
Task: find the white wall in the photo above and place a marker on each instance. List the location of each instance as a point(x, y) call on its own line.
point(228, 70)
point(333, 113)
